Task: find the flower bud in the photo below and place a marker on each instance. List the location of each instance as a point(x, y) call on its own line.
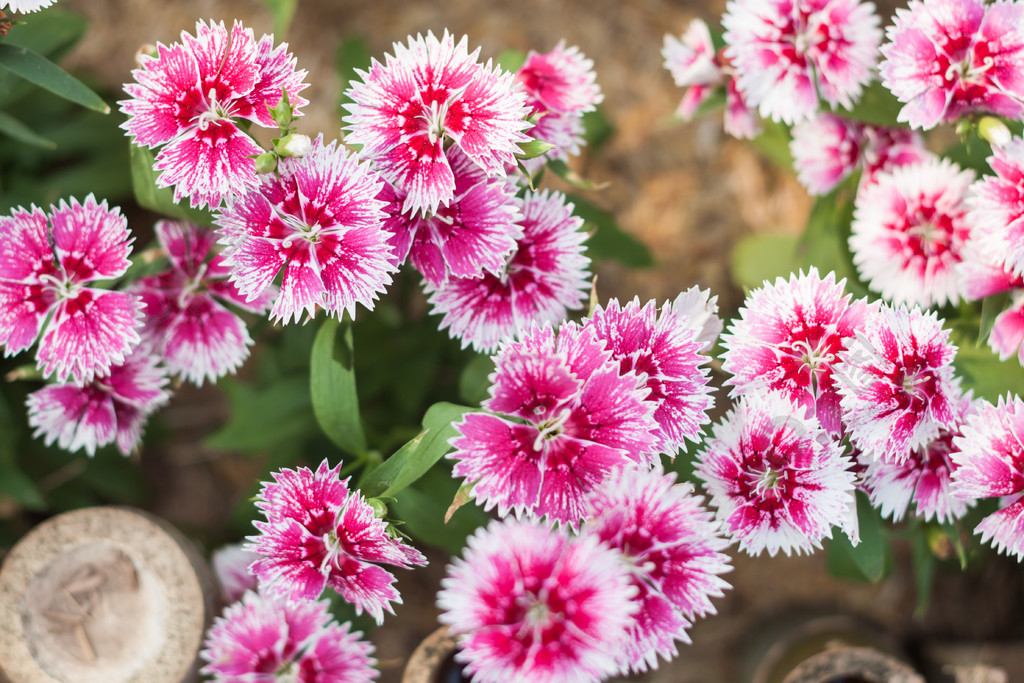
point(380, 508)
point(266, 162)
point(294, 145)
point(994, 130)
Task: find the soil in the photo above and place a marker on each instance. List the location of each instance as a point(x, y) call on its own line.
point(687, 190)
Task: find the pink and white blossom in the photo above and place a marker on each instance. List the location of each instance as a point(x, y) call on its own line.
point(562, 80)
point(787, 338)
point(698, 310)
point(321, 534)
point(46, 261)
point(789, 55)
point(1007, 335)
point(230, 564)
point(949, 58)
point(673, 549)
point(543, 279)
point(897, 384)
point(318, 223)
point(997, 208)
point(432, 91)
point(187, 324)
point(692, 61)
point(266, 639)
point(110, 408)
point(908, 232)
point(531, 603)
point(989, 460)
point(775, 478)
point(665, 354)
point(190, 99)
point(572, 419)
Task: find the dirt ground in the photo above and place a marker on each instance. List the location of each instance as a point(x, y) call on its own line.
point(686, 190)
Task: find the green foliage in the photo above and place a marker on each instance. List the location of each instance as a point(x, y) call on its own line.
point(983, 372)
point(40, 71)
point(283, 11)
point(608, 241)
point(352, 55)
point(762, 257)
point(159, 199)
point(265, 417)
point(876, 105)
point(332, 385)
point(423, 509)
point(869, 560)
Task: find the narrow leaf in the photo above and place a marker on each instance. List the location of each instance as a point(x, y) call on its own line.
point(39, 70)
point(282, 11)
point(762, 257)
point(867, 561)
point(159, 199)
point(984, 373)
point(609, 240)
point(19, 131)
point(332, 384)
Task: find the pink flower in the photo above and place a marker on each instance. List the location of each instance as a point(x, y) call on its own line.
point(532, 604)
point(948, 58)
point(788, 337)
point(673, 550)
point(698, 310)
point(923, 478)
point(989, 462)
point(692, 61)
point(230, 564)
point(45, 263)
point(112, 408)
point(908, 232)
point(545, 277)
point(897, 384)
point(470, 236)
point(190, 99)
point(572, 419)
point(741, 120)
point(664, 353)
point(318, 222)
point(429, 92)
point(997, 208)
point(186, 323)
point(778, 482)
point(265, 639)
point(318, 533)
point(1007, 335)
point(562, 80)
point(789, 53)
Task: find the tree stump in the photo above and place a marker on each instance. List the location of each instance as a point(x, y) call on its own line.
point(106, 594)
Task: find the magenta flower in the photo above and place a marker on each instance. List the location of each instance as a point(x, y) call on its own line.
point(45, 263)
point(948, 58)
point(788, 337)
point(544, 278)
point(318, 222)
point(778, 482)
point(562, 80)
point(112, 408)
point(432, 91)
point(672, 547)
point(908, 232)
point(265, 639)
point(665, 354)
point(789, 54)
point(532, 604)
point(190, 99)
point(194, 334)
point(572, 419)
point(692, 61)
point(924, 478)
point(989, 463)
point(997, 208)
point(230, 564)
point(318, 533)
point(470, 236)
point(1007, 335)
point(897, 384)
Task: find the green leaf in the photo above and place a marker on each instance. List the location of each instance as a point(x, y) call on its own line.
point(263, 417)
point(876, 105)
point(19, 131)
point(332, 385)
point(511, 60)
point(609, 241)
point(159, 199)
point(422, 508)
point(596, 129)
point(762, 257)
point(991, 307)
point(42, 72)
point(17, 485)
point(825, 240)
point(773, 143)
point(417, 456)
point(924, 563)
point(562, 170)
point(353, 54)
point(982, 371)
point(282, 11)
point(475, 379)
point(51, 33)
point(869, 560)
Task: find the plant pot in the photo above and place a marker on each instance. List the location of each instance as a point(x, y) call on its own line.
point(433, 661)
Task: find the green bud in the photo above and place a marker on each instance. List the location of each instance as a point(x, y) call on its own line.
point(533, 149)
point(380, 508)
point(283, 113)
point(994, 130)
point(266, 162)
point(293, 145)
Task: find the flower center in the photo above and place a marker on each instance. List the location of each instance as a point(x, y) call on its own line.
point(310, 233)
point(191, 286)
point(968, 71)
point(550, 428)
point(215, 112)
point(288, 673)
point(434, 119)
point(65, 289)
point(332, 550)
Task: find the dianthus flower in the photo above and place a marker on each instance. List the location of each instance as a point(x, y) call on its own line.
point(545, 277)
point(698, 310)
point(948, 58)
point(266, 639)
point(665, 354)
point(787, 338)
point(788, 54)
point(45, 263)
point(403, 113)
point(230, 564)
point(828, 148)
point(572, 419)
point(190, 99)
point(989, 460)
point(194, 334)
point(997, 208)
point(897, 384)
point(318, 533)
point(908, 232)
point(1007, 335)
point(923, 478)
point(778, 482)
point(110, 408)
point(531, 603)
point(470, 236)
point(319, 223)
point(672, 547)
